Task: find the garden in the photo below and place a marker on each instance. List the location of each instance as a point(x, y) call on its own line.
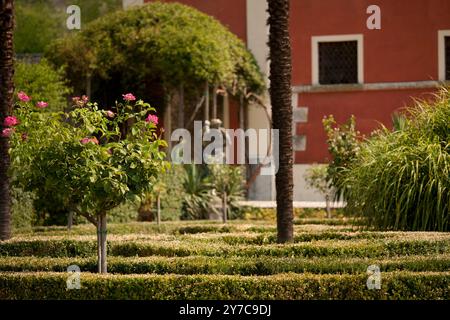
point(93, 208)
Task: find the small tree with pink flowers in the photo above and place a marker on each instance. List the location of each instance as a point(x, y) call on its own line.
point(92, 159)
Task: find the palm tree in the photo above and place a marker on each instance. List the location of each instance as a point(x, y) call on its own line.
point(6, 96)
point(280, 95)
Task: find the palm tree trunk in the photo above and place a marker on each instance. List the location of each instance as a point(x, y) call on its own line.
point(6, 97)
point(280, 94)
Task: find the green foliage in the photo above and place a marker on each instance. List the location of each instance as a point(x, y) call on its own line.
point(396, 285)
point(317, 178)
point(124, 213)
point(50, 20)
point(326, 245)
point(343, 145)
point(43, 83)
point(230, 265)
point(400, 180)
point(170, 189)
point(32, 17)
point(167, 42)
point(239, 260)
point(228, 179)
point(88, 161)
point(22, 211)
point(93, 9)
point(197, 192)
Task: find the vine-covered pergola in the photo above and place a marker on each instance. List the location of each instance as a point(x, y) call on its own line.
point(183, 60)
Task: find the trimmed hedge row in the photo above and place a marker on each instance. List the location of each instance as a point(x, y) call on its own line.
point(374, 248)
point(397, 285)
point(303, 237)
point(185, 227)
point(231, 266)
point(133, 228)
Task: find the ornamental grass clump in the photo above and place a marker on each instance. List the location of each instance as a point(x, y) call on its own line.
point(89, 160)
point(400, 179)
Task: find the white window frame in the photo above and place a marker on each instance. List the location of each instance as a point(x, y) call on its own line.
point(315, 40)
point(441, 53)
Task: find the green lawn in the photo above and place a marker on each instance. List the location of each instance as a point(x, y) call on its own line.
point(240, 260)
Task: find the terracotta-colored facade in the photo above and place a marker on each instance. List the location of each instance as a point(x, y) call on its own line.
point(405, 49)
point(400, 60)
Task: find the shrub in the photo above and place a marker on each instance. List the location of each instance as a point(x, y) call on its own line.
point(228, 180)
point(317, 178)
point(197, 192)
point(231, 265)
point(396, 285)
point(167, 44)
point(343, 145)
point(400, 179)
point(22, 210)
point(43, 83)
point(32, 16)
point(138, 247)
point(170, 190)
point(92, 160)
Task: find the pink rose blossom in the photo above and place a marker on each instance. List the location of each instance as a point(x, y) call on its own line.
point(6, 133)
point(87, 140)
point(110, 114)
point(152, 118)
point(23, 96)
point(80, 102)
point(10, 121)
point(128, 97)
point(42, 104)
point(94, 140)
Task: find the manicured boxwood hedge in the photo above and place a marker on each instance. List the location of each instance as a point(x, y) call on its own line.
point(231, 265)
point(350, 248)
point(403, 285)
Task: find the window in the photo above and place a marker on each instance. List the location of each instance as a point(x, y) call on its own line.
point(444, 55)
point(338, 62)
point(337, 59)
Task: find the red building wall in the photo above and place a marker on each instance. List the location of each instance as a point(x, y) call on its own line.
point(404, 50)
point(231, 13)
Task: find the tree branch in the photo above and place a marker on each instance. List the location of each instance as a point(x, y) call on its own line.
point(87, 216)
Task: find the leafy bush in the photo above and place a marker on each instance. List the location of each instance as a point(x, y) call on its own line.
point(124, 213)
point(167, 43)
point(89, 160)
point(23, 214)
point(343, 145)
point(316, 178)
point(396, 285)
point(352, 248)
point(231, 265)
point(400, 179)
point(170, 190)
point(228, 180)
point(43, 83)
point(197, 192)
point(50, 19)
point(32, 16)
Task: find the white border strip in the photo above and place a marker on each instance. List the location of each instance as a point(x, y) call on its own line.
point(441, 52)
point(369, 86)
